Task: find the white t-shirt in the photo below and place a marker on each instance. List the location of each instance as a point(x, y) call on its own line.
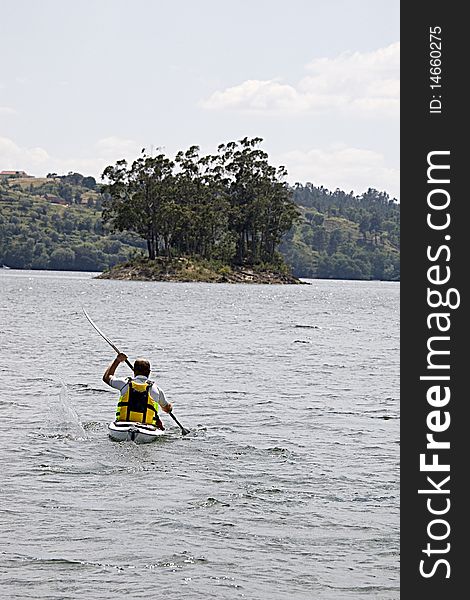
point(155, 393)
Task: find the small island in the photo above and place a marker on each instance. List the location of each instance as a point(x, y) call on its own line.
point(217, 218)
point(194, 270)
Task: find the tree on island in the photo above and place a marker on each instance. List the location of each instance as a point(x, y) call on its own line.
point(232, 206)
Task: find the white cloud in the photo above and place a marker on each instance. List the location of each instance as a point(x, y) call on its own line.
point(38, 161)
point(353, 82)
point(7, 110)
point(115, 146)
point(13, 157)
point(341, 167)
point(257, 95)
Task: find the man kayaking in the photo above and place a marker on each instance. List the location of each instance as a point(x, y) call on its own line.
point(140, 397)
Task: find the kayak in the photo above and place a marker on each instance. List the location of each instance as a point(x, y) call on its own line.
point(120, 431)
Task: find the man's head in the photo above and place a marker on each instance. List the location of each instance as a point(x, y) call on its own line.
point(142, 367)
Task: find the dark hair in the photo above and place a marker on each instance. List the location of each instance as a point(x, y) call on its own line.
point(142, 367)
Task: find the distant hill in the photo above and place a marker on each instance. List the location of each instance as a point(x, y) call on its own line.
point(55, 223)
point(343, 236)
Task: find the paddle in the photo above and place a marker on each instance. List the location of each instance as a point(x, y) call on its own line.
point(105, 338)
point(184, 431)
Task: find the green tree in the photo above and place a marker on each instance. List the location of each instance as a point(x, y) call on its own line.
point(261, 207)
point(40, 261)
point(209, 206)
point(364, 227)
point(89, 182)
point(375, 226)
point(88, 257)
point(335, 239)
point(136, 197)
point(319, 239)
point(18, 254)
point(62, 259)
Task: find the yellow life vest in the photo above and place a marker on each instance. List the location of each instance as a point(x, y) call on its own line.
point(136, 404)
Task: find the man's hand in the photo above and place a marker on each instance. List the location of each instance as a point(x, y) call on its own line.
point(168, 408)
point(121, 357)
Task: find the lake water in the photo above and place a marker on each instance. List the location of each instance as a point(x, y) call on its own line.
point(287, 486)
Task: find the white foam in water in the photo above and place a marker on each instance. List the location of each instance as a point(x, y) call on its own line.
point(67, 414)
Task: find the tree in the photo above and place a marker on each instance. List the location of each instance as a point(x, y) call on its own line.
point(335, 239)
point(261, 207)
point(40, 261)
point(137, 196)
point(89, 182)
point(73, 178)
point(65, 192)
point(375, 226)
point(364, 226)
point(62, 259)
point(88, 257)
point(232, 205)
point(204, 206)
point(18, 254)
point(319, 238)
point(341, 266)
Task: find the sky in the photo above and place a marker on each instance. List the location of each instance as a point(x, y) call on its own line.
point(84, 84)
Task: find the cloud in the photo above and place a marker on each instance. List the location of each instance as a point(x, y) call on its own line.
point(115, 146)
point(353, 82)
point(341, 167)
point(38, 161)
point(12, 156)
point(7, 110)
point(255, 95)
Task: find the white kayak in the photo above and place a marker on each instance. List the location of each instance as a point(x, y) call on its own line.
point(120, 431)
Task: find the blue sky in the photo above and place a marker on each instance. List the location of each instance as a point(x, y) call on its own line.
point(86, 83)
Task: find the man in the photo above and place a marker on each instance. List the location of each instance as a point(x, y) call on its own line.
point(140, 397)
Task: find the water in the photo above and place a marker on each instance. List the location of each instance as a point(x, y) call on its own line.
point(287, 486)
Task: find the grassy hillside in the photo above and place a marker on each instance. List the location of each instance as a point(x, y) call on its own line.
point(342, 236)
point(55, 223)
point(39, 233)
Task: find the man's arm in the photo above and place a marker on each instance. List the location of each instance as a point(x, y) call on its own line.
point(113, 366)
point(162, 401)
